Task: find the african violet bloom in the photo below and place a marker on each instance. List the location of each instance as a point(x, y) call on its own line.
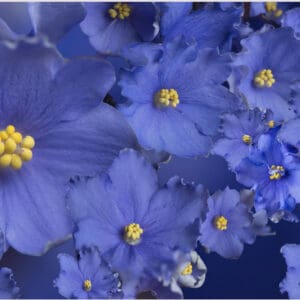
point(266, 69)
point(291, 283)
point(112, 26)
point(174, 104)
point(134, 223)
point(191, 271)
point(274, 173)
point(87, 278)
point(210, 27)
point(8, 286)
point(52, 127)
point(240, 134)
point(228, 224)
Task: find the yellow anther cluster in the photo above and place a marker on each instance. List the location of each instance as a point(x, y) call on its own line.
point(14, 149)
point(271, 124)
point(87, 285)
point(247, 139)
point(271, 8)
point(187, 270)
point(132, 233)
point(167, 97)
point(276, 172)
point(221, 223)
point(264, 78)
point(120, 10)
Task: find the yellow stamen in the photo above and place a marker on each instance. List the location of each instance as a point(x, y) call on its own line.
point(276, 172)
point(271, 8)
point(271, 123)
point(264, 78)
point(133, 233)
point(16, 162)
point(14, 149)
point(247, 139)
point(87, 285)
point(120, 10)
point(166, 97)
point(5, 160)
point(221, 223)
point(187, 270)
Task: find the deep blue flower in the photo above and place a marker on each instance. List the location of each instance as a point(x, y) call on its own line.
point(87, 278)
point(228, 224)
point(291, 283)
point(274, 173)
point(134, 224)
point(241, 132)
point(52, 127)
point(112, 26)
point(208, 27)
point(174, 104)
point(266, 69)
point(292, 19)
point(8, 286)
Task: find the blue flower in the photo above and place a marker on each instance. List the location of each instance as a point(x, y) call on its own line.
point(228, 224)
point(174, 104)
point(208, 27)
point(52, 127)
point(8, 286)
point(274, 173)
point(267, 67)
point(112, 26)
point(134, 224)
point(191, 271)
point(241, 133)
point(291, 283)
point(87, 278)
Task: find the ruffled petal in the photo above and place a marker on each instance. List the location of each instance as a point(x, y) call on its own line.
point(85, 146)
point(33, 197)
point(55, 19)
point(70, 280)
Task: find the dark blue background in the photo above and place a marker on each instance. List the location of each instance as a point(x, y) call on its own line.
point(255, 275)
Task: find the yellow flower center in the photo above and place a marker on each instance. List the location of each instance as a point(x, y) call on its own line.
point(276, 172)
point(271, 124)
point(247, 139)
point(87, 285)
point(120, 10)
point(133, 233)
point(221, 223)
point(264, 78)
point(187, 270)
point(14, 149)
point(167, 97)
point(271, 8)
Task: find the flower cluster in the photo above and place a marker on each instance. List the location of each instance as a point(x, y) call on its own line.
point(82, 141)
